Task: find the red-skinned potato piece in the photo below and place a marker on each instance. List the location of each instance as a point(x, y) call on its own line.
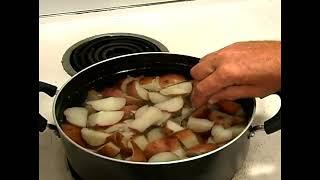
point(187, 138)
point(229, 107)
point(200, 138)
point(112, 92)
point(109, 150)
point(150, 83)
point(125, 150)
point(115, 138)
point(161, 145)
point(170, 79)
point(134, 89)
point(201, 112)
point(220, 118)
point(125, 82)
point(128, 111)
point(171, 127)
point(238, 120)
point(74, 133)
point(122, 142)
point(134, 101)
point(200, 149)
point(137, 153)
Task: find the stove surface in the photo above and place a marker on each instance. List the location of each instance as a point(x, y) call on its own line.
point(193, 28)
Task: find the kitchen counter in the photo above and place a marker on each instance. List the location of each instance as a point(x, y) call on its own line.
point(193, 28)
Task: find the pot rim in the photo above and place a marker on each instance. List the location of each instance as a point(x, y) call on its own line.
point(133, 162)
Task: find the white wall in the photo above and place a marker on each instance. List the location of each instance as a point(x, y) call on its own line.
point(63, 6)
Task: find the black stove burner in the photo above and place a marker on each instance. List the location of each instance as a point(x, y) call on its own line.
point(73, 172)
point(98, 48)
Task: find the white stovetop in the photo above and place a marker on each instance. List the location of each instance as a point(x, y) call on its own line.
point(193, 28)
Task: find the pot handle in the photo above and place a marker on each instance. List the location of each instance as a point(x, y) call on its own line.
point(51, 91)
point(270, 126)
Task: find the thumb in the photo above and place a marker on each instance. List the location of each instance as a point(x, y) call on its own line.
point(237, 92)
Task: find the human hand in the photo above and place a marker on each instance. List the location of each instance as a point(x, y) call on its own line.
point(240, 70)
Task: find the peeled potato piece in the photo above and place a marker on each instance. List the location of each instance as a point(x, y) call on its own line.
point(109, 149)
point(134, 89)
point(171, 105)
point(185, 112)
point(150, 83)
point(165, 117)
point(236, 130)
point(108, 104)
point(76, 116)
point(116, 127)
point(155, 134)
point(178, 89)
point(118, 157)
point(172, 127)
point(141, 141)
point(220, 134)
point(93, 138)
point(105, 118)
point(74, 133)
point(147, 119)
point(163, 157)
point(187, 138)
point(140, 111)
point(170, 79)
point(200, 149)
point(199, 125)
point(156, 97)
point(210, 140)
point(180, 152)
point(90, 109)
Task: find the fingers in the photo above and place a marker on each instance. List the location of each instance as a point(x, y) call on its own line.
point(205, 67)
point(213, 83)
point(210, 85)
point(237, 92)
point(198, 99)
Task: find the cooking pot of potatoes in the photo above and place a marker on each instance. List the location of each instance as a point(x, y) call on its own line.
point(130, 118)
